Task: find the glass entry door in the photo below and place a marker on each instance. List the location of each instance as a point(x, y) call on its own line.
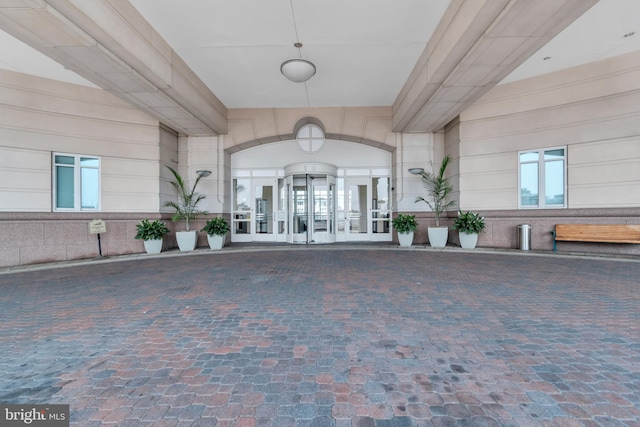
point(264, 203)
point(357, 210)
point(255, 201)
point(311, 208)
point(323, 210)
point(299, 209)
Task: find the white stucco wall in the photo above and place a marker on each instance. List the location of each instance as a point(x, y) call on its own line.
point(39, 116)
point(593, 110)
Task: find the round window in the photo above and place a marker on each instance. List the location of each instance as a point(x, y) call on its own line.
point(310, 138)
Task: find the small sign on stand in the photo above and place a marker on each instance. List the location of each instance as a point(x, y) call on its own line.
point(98, 226)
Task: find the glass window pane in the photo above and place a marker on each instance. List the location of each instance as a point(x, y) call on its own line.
point(304, 132)
point(340, 204)
point(529, 184)
point(358, 208)
point(282, 197)
point(89, 185)
point(320, 207)
point(380, 225)
point(304, 144)
point(264, 203)
point(330, 207)
point(89, 162)
point(529, 157)
point(380, 190)
point(241, 224)
point(316, 145)
point(554, 183)
point(64, 187)
point(554, 154)
point(299, 209)
point(316, 132)
point(65, 160)
point(241, 199)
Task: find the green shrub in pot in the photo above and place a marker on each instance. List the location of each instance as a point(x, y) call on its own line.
point(469, 225)
point(151, 230)
point(469, 222)
point(404, 223)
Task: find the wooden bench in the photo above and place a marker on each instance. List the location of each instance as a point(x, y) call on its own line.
point(599, 233)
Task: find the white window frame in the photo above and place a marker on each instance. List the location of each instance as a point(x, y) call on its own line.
point(541, 178)
point(77, 182)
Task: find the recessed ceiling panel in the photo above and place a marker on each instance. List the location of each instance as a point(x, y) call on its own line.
point(598, 34)
point(364, 50)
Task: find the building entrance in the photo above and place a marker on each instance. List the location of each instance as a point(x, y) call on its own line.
point(336, 191)
point(311, 203)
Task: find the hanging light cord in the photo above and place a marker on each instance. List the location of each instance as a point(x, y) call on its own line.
point(299, 45)
point(295, 27)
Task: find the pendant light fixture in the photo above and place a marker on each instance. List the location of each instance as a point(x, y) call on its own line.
point(297, 70)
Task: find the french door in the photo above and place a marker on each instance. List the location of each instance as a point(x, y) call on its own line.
point(254, 206)
point(357, 209)
point(363, 209)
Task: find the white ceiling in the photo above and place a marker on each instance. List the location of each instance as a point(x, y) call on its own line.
point(364, 50)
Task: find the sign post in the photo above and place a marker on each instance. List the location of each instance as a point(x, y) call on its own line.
point(98, 226)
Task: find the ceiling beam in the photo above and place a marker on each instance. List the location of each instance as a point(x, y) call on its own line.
point(476, 44)
point(110, 44)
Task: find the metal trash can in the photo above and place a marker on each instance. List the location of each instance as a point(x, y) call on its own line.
point(524, 237)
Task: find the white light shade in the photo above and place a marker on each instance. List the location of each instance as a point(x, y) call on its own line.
point(298, 70)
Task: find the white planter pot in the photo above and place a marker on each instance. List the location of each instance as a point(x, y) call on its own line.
point(468, 240)
point(405, 239)
point(438, 236)
point(216, 242)
point(153, 246)
point(186, 240)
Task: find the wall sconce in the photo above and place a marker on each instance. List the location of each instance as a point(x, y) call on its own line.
point(203, 173)
point(416, 171)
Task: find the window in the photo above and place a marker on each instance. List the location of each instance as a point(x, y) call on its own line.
point(310, 138)
point(76, 183)
point(542, 177)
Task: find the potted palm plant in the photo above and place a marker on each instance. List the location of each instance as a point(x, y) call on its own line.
point(186, 208)
point(216, 229)
point(438, 190)
point(405, 225)
point(469, 225)
point(152, 234)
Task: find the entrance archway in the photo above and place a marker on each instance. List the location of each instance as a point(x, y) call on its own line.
point(311, 189)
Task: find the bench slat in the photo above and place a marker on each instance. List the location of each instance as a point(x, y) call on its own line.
point(607, 233)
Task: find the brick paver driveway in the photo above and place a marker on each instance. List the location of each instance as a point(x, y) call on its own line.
point(327, 337)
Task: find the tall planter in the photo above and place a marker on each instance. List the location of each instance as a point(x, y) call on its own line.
point(186, 208)
point(438, 190)
point(438, 236)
